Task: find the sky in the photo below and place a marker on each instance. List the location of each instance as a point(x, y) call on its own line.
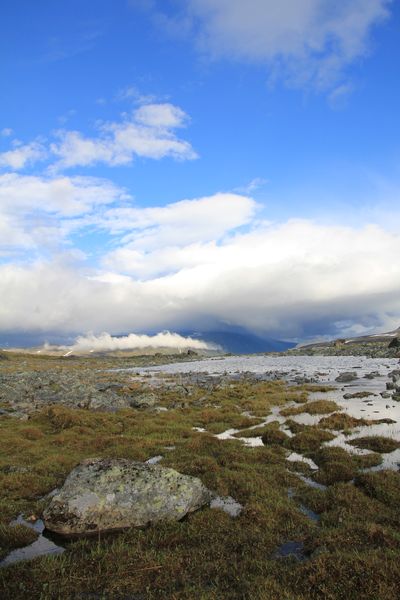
point(199, 164)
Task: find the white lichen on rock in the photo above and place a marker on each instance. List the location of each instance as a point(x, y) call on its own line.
point(103, 495)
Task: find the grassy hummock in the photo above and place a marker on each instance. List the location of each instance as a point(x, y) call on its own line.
point(317, 407)
point(340, 421)
point(376, 443)
point(309, 440)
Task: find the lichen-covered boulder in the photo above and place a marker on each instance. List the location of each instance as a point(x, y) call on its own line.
point(104, 495)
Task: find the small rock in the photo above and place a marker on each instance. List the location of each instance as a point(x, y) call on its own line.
point(372, 375)
point(346, 377)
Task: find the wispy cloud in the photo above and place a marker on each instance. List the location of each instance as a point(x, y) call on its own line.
point(23, 154)
point(253, 185)
point(6, 132)
point(307, 42)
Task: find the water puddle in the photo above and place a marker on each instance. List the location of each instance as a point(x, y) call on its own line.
point(311, 482)
point(43, 546)
point(291, 549)
point(294, 457)
point(253, 442)
point(304, 509)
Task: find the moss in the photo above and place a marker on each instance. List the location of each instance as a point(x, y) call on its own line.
point(376, 444)
point(318, 407)
point(309, 441)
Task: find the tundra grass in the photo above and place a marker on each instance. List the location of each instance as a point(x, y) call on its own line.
point(352, 554)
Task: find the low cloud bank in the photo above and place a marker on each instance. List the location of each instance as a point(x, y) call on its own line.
point(133, 341)
point(210, 264)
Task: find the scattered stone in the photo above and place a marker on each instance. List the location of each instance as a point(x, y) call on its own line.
point(9, 469)
point(346, 377)
point(372, 375)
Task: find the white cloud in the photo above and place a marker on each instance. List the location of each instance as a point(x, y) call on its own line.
point(67, 196)
point(22, 155)
point(147, 132)
point(180, 235)
point(304, 40)
point(285, 279)
point(161, 115)
point(200, 219)
point(253, 185)
point(37, 211)
point(6, 132)
point(105, 341)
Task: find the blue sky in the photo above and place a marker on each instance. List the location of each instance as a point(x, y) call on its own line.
point(155, 154)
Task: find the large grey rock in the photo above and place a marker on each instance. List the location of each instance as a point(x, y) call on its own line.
point(103, 495)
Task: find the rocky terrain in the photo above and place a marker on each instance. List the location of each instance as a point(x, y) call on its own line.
point(237, 477)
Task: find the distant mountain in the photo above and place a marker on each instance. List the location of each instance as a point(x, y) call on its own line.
point(362, 339)
point(236, 341)
point(239, 342)
point(376, 337)
point(376, 345)
point(30, 340)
